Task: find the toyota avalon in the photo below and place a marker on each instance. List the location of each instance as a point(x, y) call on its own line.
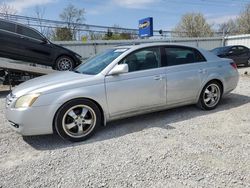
point(120, 82)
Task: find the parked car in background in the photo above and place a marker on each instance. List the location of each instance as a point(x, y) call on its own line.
point(240, 54)
point(120, 82)
point(21, 42)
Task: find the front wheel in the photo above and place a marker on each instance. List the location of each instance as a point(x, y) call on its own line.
point(77, 120)
point(210, 96)
point(64, 63)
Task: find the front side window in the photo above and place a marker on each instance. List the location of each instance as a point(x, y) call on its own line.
point(7, 26)
point(181, 55)
point(28, 32)
point(99, 62)
point(243, 49)
point(144, 59)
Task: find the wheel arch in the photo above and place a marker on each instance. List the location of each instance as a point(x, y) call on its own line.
point(212, 80)
point(103, 119)
point(220, 82)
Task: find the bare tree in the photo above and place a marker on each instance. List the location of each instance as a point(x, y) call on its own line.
point(73, 16)
point(6, 10)
point(39, 13)
point(229, 27)
point(244, 20)
point(193, 25)
point(95, 36)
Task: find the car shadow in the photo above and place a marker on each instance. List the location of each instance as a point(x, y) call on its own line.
point(127, 126)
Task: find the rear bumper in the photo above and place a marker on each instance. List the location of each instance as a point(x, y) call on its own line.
point(231, 82)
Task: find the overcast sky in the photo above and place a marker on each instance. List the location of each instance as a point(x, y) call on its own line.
point(126, 13)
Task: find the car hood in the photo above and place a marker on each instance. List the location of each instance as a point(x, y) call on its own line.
point(54, 82)
point(62, 47)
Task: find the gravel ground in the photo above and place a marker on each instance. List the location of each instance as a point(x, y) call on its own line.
point(183, 147)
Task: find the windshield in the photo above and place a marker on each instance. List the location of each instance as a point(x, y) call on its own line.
point(99, 62)
point(219, 51)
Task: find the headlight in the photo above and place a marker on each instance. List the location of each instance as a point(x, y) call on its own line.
point(26, 100)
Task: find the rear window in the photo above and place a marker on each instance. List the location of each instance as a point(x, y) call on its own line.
point(7, 26)
point(220, 50)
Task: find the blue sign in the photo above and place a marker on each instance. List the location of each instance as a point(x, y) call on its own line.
point(146, 27)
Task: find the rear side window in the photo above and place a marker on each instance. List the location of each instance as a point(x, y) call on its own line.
point(234, 50)
point(28, 32)
point(7, 26)
point(181, 55)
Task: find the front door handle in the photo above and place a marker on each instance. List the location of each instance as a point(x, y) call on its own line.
point(158, 77)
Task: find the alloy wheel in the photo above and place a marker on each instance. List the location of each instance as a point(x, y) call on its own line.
point(211, 95)
point(79, 121)
point(65, 64)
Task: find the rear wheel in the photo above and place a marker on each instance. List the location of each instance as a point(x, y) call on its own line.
point(210, 96)
point(77, 120)
point(64, 63)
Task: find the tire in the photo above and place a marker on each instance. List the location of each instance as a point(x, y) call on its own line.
point(77, 120)
point(64, 63)
point(210, 96)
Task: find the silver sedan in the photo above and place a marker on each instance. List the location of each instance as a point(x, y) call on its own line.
point(120, 82)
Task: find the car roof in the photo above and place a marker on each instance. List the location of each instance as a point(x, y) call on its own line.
point(208, 55)
point(152, 44)
point(230, 46)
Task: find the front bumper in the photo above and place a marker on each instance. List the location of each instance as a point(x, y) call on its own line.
point(32, 120)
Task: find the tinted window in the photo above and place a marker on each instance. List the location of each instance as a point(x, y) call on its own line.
point(234, 50)
point(28, 32)
point(242, 49)
point(7, 26)
point(220, 50)
point(181, 55)
point(148, 58)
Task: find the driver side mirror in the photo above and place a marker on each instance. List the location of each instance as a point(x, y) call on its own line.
point(119, 69)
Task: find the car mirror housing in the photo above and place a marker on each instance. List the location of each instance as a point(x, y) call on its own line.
point(119, 69)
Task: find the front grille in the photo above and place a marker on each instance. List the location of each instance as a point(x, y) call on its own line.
point(9, 99)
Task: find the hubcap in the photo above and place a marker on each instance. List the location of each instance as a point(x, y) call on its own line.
point(64, 64)
point(211, 95)
point(79, 121)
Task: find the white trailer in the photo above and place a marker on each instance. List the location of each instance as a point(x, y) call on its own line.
point(13, 72)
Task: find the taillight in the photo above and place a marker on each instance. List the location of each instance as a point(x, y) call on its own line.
point(234, 65)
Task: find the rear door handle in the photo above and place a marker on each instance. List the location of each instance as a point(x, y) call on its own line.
point(202, 71)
